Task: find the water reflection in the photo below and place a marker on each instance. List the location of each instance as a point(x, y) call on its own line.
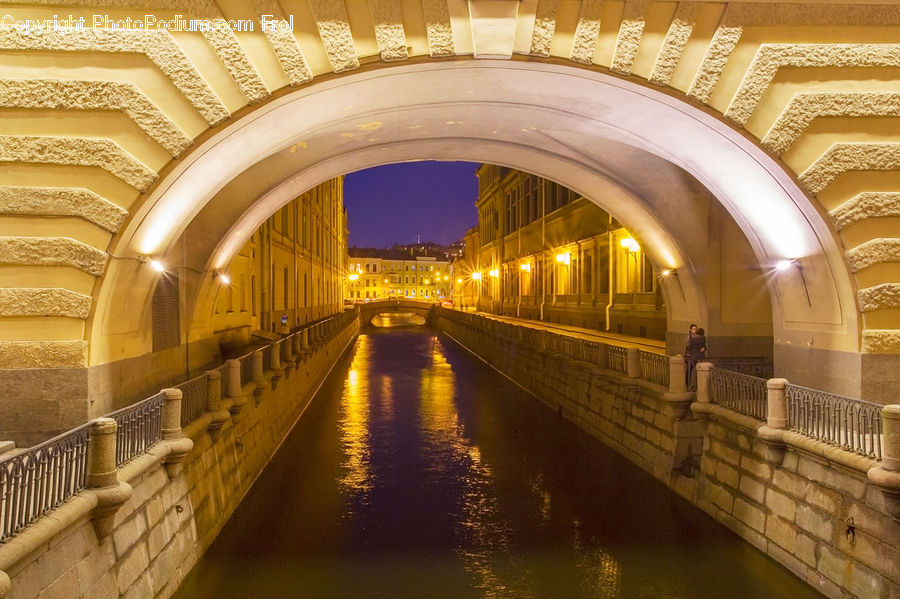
point(354, 424)
point(419, 472)
point(397, 320)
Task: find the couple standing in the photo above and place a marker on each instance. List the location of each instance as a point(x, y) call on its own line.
point(694, 352)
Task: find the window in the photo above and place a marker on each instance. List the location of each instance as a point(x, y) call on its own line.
point(166, 317)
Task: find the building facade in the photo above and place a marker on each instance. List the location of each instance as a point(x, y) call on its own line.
point(384, 274)
point(291, 271)
point(544, 252)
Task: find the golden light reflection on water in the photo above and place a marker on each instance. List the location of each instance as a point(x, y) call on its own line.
point(485, 541)
point(354, 422)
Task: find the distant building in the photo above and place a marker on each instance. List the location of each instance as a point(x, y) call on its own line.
point(544, 252)
point(393, 273)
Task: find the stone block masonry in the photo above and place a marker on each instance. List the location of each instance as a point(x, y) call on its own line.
point(167, 524)
point(812, 510)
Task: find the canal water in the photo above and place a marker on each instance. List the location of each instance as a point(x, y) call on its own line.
point(417, 471)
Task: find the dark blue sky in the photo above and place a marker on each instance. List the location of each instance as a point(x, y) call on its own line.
point(394, 203)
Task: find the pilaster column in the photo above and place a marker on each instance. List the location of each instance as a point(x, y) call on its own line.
point(233, 388)
point(887, 473)
point(633, 363)
point(172, 435)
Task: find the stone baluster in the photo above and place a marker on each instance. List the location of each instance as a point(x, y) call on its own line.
point(633, 363)
point(886, 474)
point(102, 477)
point(172, 435)
point(703, 371)
point(233, 388)
point(258, 373)
point(772, 432)
point(218, 416)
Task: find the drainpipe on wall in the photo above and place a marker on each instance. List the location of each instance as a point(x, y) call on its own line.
point(543, 245)
point(609, 262)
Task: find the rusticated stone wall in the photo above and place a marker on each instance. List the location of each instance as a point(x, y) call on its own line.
point(808, 505)
point(167, 524)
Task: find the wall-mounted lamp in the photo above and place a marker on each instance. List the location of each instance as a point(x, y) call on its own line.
point(476, 276)
point(563, 258)
point(494, 273)
point(223, 278)
point(353, 276)
point(630, 244)
point(782, 265)
point(459, 281)
point(154, 263)
point(526, 266)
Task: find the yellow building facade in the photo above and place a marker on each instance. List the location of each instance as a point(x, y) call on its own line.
point(291, 271)
point(387, 274)
point(544, 252)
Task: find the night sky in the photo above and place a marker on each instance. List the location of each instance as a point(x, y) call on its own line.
point(395, 203)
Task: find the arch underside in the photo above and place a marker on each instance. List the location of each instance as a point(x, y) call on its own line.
point(681, 181)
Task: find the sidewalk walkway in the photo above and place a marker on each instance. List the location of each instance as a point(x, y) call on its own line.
point(649, 345)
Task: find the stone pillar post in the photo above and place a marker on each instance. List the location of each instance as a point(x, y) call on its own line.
point(633, 363)
point(772, 433)
point(233, 388)
point(676, 375)
point(304, 339)
point(101, 462)
point(776, 400)
point(296, 345)
point(287, 354)
point(703, 370)
point(218, 416)
point(276, 355)
point(172, 435)
point(258, 373)
point(886, 474)
point(890, 418)
point(102, 477)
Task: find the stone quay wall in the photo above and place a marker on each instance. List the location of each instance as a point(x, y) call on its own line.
point(808, 505)
point(178, 503)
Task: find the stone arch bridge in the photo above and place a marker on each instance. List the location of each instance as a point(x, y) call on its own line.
point(729, 137)
point(370, 310)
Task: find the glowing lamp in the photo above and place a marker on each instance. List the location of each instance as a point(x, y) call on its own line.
point(353, 276)
point(494, 273)
point(630, 244)
point(476, 276)
point(563, 258)
point(157, 266)
point(526, 266)
point(223, 278)
point(458, 281)
point(784, 264)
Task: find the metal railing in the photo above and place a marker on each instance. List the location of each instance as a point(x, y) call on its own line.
point(851, 424)
point(654, 367)
point(194, 394)
point(139, 427)
point(757, 367)
point(742, 393)
point(36, 481)
point(617, 358)
point(246, 368)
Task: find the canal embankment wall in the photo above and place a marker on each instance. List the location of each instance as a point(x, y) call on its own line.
point(177, 495)
point(808, 505)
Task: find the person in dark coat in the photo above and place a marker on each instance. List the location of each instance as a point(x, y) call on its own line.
point(696, 348)
point(694, 352)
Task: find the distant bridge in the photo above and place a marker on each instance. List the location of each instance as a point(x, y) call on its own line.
point(370, 310)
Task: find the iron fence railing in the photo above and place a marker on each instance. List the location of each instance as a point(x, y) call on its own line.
point(757, 367)
point(194, 394)
point(851, 424)
point(654, 367)
point(740, 392)
point(594, 352)
point(38, 480)
point(246, 368)
point(617, 358)
point(139, 427)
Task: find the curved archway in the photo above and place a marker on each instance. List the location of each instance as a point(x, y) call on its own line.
point(650, 159)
